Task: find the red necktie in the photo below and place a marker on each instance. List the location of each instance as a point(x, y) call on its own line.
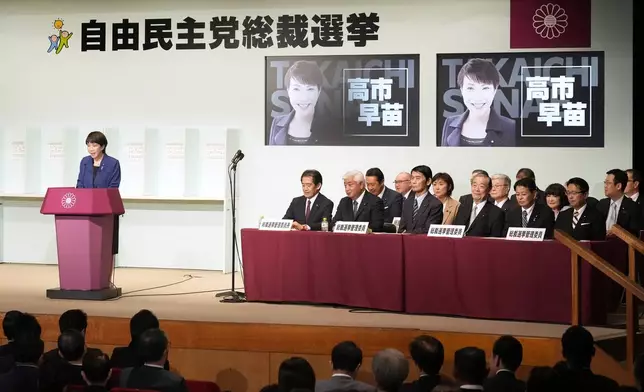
point(308, 210)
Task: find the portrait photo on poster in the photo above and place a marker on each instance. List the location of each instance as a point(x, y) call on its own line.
point(342, 100)
point(530, 99)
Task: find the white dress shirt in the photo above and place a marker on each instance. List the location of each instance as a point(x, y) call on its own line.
point(580, 211)
point(382, 193)
point(359, 200)
point(312, 200)
point(528, 210)
point(478, 207)
point(635, 197)
point(500, 203)
point(611, 219)
point(406, 195)
point(421, 198)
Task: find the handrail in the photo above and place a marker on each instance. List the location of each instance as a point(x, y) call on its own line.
point(599, 263)
point(628, 237)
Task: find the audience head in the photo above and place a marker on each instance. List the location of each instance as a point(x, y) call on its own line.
point(353, 184)
point(634, 181)
point(73, 319)
point(577, 192)
point(525, 190)
point(28, 349)
point(478, 171)
point(421, 178)
point(443, 185)
point(428, 354)
point(141, 322)
point(71, 345)
point(390, 369)
point(615, 183)
point(556, 197)
point(96, 368)
point(526, 173)
point(578, 347)
point(542, 379)
point(27, 326)
point(346, 357)
point(311, 183)
point(152, 346)
point(507, 354)
point(470, 366)
point(9, 323)
point(375, 180)
point(500, 187)
point(403, 183)
point(480, 185)
point(295, 373)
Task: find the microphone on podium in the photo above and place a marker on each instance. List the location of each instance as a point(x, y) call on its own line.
point(239, 155)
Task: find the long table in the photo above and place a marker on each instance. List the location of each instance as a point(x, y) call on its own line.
point(471, 277)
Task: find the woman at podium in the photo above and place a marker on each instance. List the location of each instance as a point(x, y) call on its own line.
point(99, 170)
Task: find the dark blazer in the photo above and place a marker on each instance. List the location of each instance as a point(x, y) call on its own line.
point(22, 378)
point(504, 382)
point(591, 225)
point(422, 384)
point(488, 223)
point(371, 210)
point(501, 131)
point(6, 349)
point(629, 216)
point(107, 176)
point(508, 205)
point(54, 375)
point(153, 378)
point(342, 383)
point(541, 197)
point(393, 202)
point(125, 357)
point(322, 208)
point(430, 212)
point(542, 217)
point(468, 199)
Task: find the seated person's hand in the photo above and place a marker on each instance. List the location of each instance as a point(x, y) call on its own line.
point(297, 226)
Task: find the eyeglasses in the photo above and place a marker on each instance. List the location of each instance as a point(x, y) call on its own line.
point(400, 181)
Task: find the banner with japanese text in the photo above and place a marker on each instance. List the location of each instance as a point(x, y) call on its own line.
point(342, 100)
point(531, 99)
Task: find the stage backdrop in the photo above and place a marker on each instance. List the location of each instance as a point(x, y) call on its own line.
point(354, 100)
point(530, 99)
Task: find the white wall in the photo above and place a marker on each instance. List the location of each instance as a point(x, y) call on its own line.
point(225, 88)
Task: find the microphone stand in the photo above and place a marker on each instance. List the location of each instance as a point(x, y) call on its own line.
point(233, 296)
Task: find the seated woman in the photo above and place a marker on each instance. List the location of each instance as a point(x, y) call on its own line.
point(443, 186)
point(556, 198)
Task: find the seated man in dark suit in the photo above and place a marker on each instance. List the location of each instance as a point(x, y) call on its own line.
point(96, 371)
point(421, 209)
point(481, 218)
point(467, 198)
point(55, 375)
point(9, 329)
point(507, 355)
point(390, 368)
point(529, 173)
point(581, 221)
point(391, 199)
point(124, 357)
point(23, 377)
point(71, 319)
point(153, 349)
point(632, 189)
point(470, 368)
point(359, 205)
point(309, 210)
point(529, 213)
point(617, 208)
point(346, 359)
point(25, 326)
point(428, 355)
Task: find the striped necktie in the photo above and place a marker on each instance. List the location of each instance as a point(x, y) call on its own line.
point(524, 218)
point(413, 215)
point(575, 219)
point(355, 208)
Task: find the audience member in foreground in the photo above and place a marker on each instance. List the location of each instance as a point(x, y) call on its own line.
point(346, 359)
point(581, 221)
point(295, 373)
point(470, 368)
point(152, 348)
point(443, 186)
point(529, 213)
point(96, 371)
point(24, 375)
point(481, 218)
point(75, 319)
point(428, 355)
point(124, 357)
point(542, 379)
point(308, 211)
point(423, 209)
point(390, 369)
point(9, 329)
point(360, 205)
point(25, 326)
point(507, 355)
point(616, 208)
point(66, 370)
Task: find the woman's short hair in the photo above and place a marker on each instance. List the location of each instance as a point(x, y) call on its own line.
point(447, 179)
point(98, 138)
point(559, 191)
point(305, 72)
point(479, 70)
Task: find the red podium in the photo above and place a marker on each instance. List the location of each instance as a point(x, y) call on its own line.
point(84, 234)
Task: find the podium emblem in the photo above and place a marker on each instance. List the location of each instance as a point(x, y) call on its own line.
point(68, 201)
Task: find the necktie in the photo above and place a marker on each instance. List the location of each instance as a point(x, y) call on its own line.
point(355, 208)
point(472, 216)
point(575, 219)
point(612, 216)
point(524, 218)
point(415, 212)
point(308, 210)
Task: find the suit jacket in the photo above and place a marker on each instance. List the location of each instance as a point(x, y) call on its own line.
point(508, 205)
point(629, 215)
point(22, 378)
point(107, 176)
point(542, 217)
point(153, 378)
point(591, 225)
point(541, 197)
point(343, 383)
point(500, 131)
point(125, 357)
point(6, 349)
point(321, 208)
point(488, 223)
point(504, 382)
point(468, 199)
point(430, 212)
point(450, 210)
point(393, 202)
point(422, 384)
point(54, 375)
point(371, 210)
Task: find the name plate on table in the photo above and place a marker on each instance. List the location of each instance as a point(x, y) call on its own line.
point(451, 231)
point(525, 234)
point(276, 224)
point(351, 227)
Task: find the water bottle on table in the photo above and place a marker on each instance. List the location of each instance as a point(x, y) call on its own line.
point(325, 225)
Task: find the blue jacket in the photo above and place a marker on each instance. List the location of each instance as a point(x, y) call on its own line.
point(108, 175)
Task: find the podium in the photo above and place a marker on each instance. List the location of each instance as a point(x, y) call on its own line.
point(85, 221)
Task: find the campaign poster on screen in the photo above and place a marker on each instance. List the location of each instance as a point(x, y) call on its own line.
point(357, 100)
point(527, 99)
